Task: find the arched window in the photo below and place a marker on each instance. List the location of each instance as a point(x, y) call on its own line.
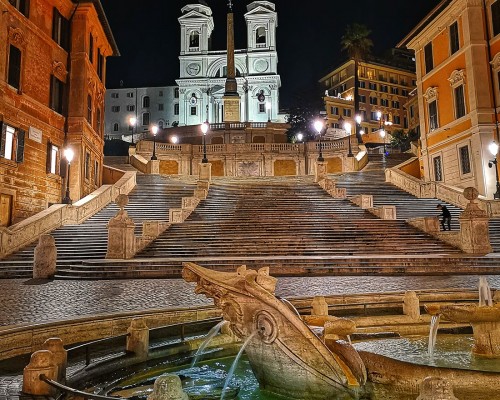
point(145, 102)
point(194, 39)
point(160, 124)
point(116, 127)
point(260, 36)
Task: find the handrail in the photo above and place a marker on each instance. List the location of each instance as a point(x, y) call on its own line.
point(85, 395)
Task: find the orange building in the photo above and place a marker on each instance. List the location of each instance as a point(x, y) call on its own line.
point(52, 68)
point(457, 48)
point(384, 87)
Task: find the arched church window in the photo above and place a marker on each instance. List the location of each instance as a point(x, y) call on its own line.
point(145, 102)
point(260, 36)
point(194, 39)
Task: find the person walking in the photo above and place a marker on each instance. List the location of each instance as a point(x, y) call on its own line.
point(445, 217)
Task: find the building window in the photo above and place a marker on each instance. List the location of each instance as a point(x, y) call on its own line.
point(145, 102)
point(384, 88)
point(194, 111)
point(454, 38)
point(395, 104)
point(433, 115)
point(459, 101)
point(12, 143)
point(145, 119)
point(372, 86)
point(334, 110)
point(194, 40)
point(429, 62)
point(465, 160)
point(412, 112)
point(373, 101)
point(116, 127)
point(115, 109)
point(14, 73)
point(374, 117)
point(89, 108)
point(160, 93)
point(22, 5)
point(160, 107)
point(362, 98)
point(130, 108)
point(495, 17)
point(394, 90)
point(100, 64)
point(60, 30)
point(176, 93)
point(52, 159)
point(262, 107)
point(56, 94)
point(405, 123)
point(347, 112)
point(87, 165)
point(96, 173)
point(91, 49)
point(176, 109)
point(438, 172)
point(130, 95)
point(404, 92)
point(396, 119)
point(362, 84)
point(98, 120)
point(384, 102)
point(115, 95)
point(260, 36)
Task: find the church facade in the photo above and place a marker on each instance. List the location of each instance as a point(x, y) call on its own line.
point(203, 71)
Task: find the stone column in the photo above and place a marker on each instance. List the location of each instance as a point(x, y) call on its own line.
point(474, 226)
point(138, 338)
point(55, 346)
point(121, 238)
point(41, 362)
point(205, 172)
point(153, 167)
point(319, 306)
point(320, 171)
point(45, 258)
point(411, 305)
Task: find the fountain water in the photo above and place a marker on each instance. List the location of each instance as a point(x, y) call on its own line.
point(433, 334)
point(235, 363)
point(210, 335)
point(485, 298)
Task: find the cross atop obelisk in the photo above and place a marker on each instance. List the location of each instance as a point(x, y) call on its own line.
point(231, 96)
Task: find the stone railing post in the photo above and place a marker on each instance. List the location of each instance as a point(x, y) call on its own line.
point(138, 338)
point(121, 238)
point(45, 258)
point(320, 171)
point(60, 356)
point(153, 167)
point(474, 226)
point(205, 172)
point(411, 305)
point(41, 362)
point(319, 306)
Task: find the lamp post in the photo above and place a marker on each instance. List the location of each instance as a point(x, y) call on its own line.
point(133, 124)
point(318, 125)
point(154, 130)
point(174, 139)
point(346, 126)
point(204, 130)
point(381, 123)
point(268, 108)
point(300, 137)
point(382, 133)
point(493, 147)
point(68, 154)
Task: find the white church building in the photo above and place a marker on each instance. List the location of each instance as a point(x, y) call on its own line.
point(200, 87)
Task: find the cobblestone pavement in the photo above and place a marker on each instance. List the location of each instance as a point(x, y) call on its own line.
point(23, 302)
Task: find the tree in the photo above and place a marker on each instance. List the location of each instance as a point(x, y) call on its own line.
point(358, 45)
point(402, 140)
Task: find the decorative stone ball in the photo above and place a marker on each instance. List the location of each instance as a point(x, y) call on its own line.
point(121, 201)
point(471, 193)
point(168, 387)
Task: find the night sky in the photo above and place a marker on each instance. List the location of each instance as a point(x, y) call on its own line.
point(309, 31)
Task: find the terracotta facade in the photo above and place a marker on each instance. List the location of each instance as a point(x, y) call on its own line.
point(51, 84)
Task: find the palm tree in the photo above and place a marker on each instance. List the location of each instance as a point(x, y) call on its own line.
point(358, 45)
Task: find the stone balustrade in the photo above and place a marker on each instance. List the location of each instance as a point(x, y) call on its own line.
point(428, 190)
point(330, 187)
point(384, 212)
point(365, 201)
point(29, 230)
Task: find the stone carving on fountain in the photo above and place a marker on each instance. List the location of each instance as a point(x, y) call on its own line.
point(286, 356)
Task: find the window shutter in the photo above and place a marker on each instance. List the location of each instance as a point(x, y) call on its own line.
point(49, 155)
point(65, 34)
point(3, 129)
point(20, 146)
point(24, 7)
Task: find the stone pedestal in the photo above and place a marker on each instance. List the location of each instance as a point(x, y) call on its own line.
point(138, 338)
point(45, 258)
point(60, 356)
point(41, 362)
point(388, 212)
point(168, 387)
point(205, 172)
point(486, 338)
point(431, 224)
point(121, 238)
point(319, 306)
point(231, 108)
point(411, 305)
point(190, 203)
point(433, 388)
point(474, 226)
point(320, 171)
point(153, 167)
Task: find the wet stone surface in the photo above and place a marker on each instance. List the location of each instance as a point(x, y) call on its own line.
point(25, 302)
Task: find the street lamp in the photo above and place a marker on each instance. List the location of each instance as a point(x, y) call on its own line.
point(174, 139)
point(68, 154)
point(154, 129)
point(493, 147)
point(204, 130)
point(381, 123)
point(268, 108)
point(382, 134)
point(300, 137)
point(133, 124)
point(318, 125)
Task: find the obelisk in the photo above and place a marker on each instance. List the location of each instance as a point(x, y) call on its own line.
point(231, 97)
